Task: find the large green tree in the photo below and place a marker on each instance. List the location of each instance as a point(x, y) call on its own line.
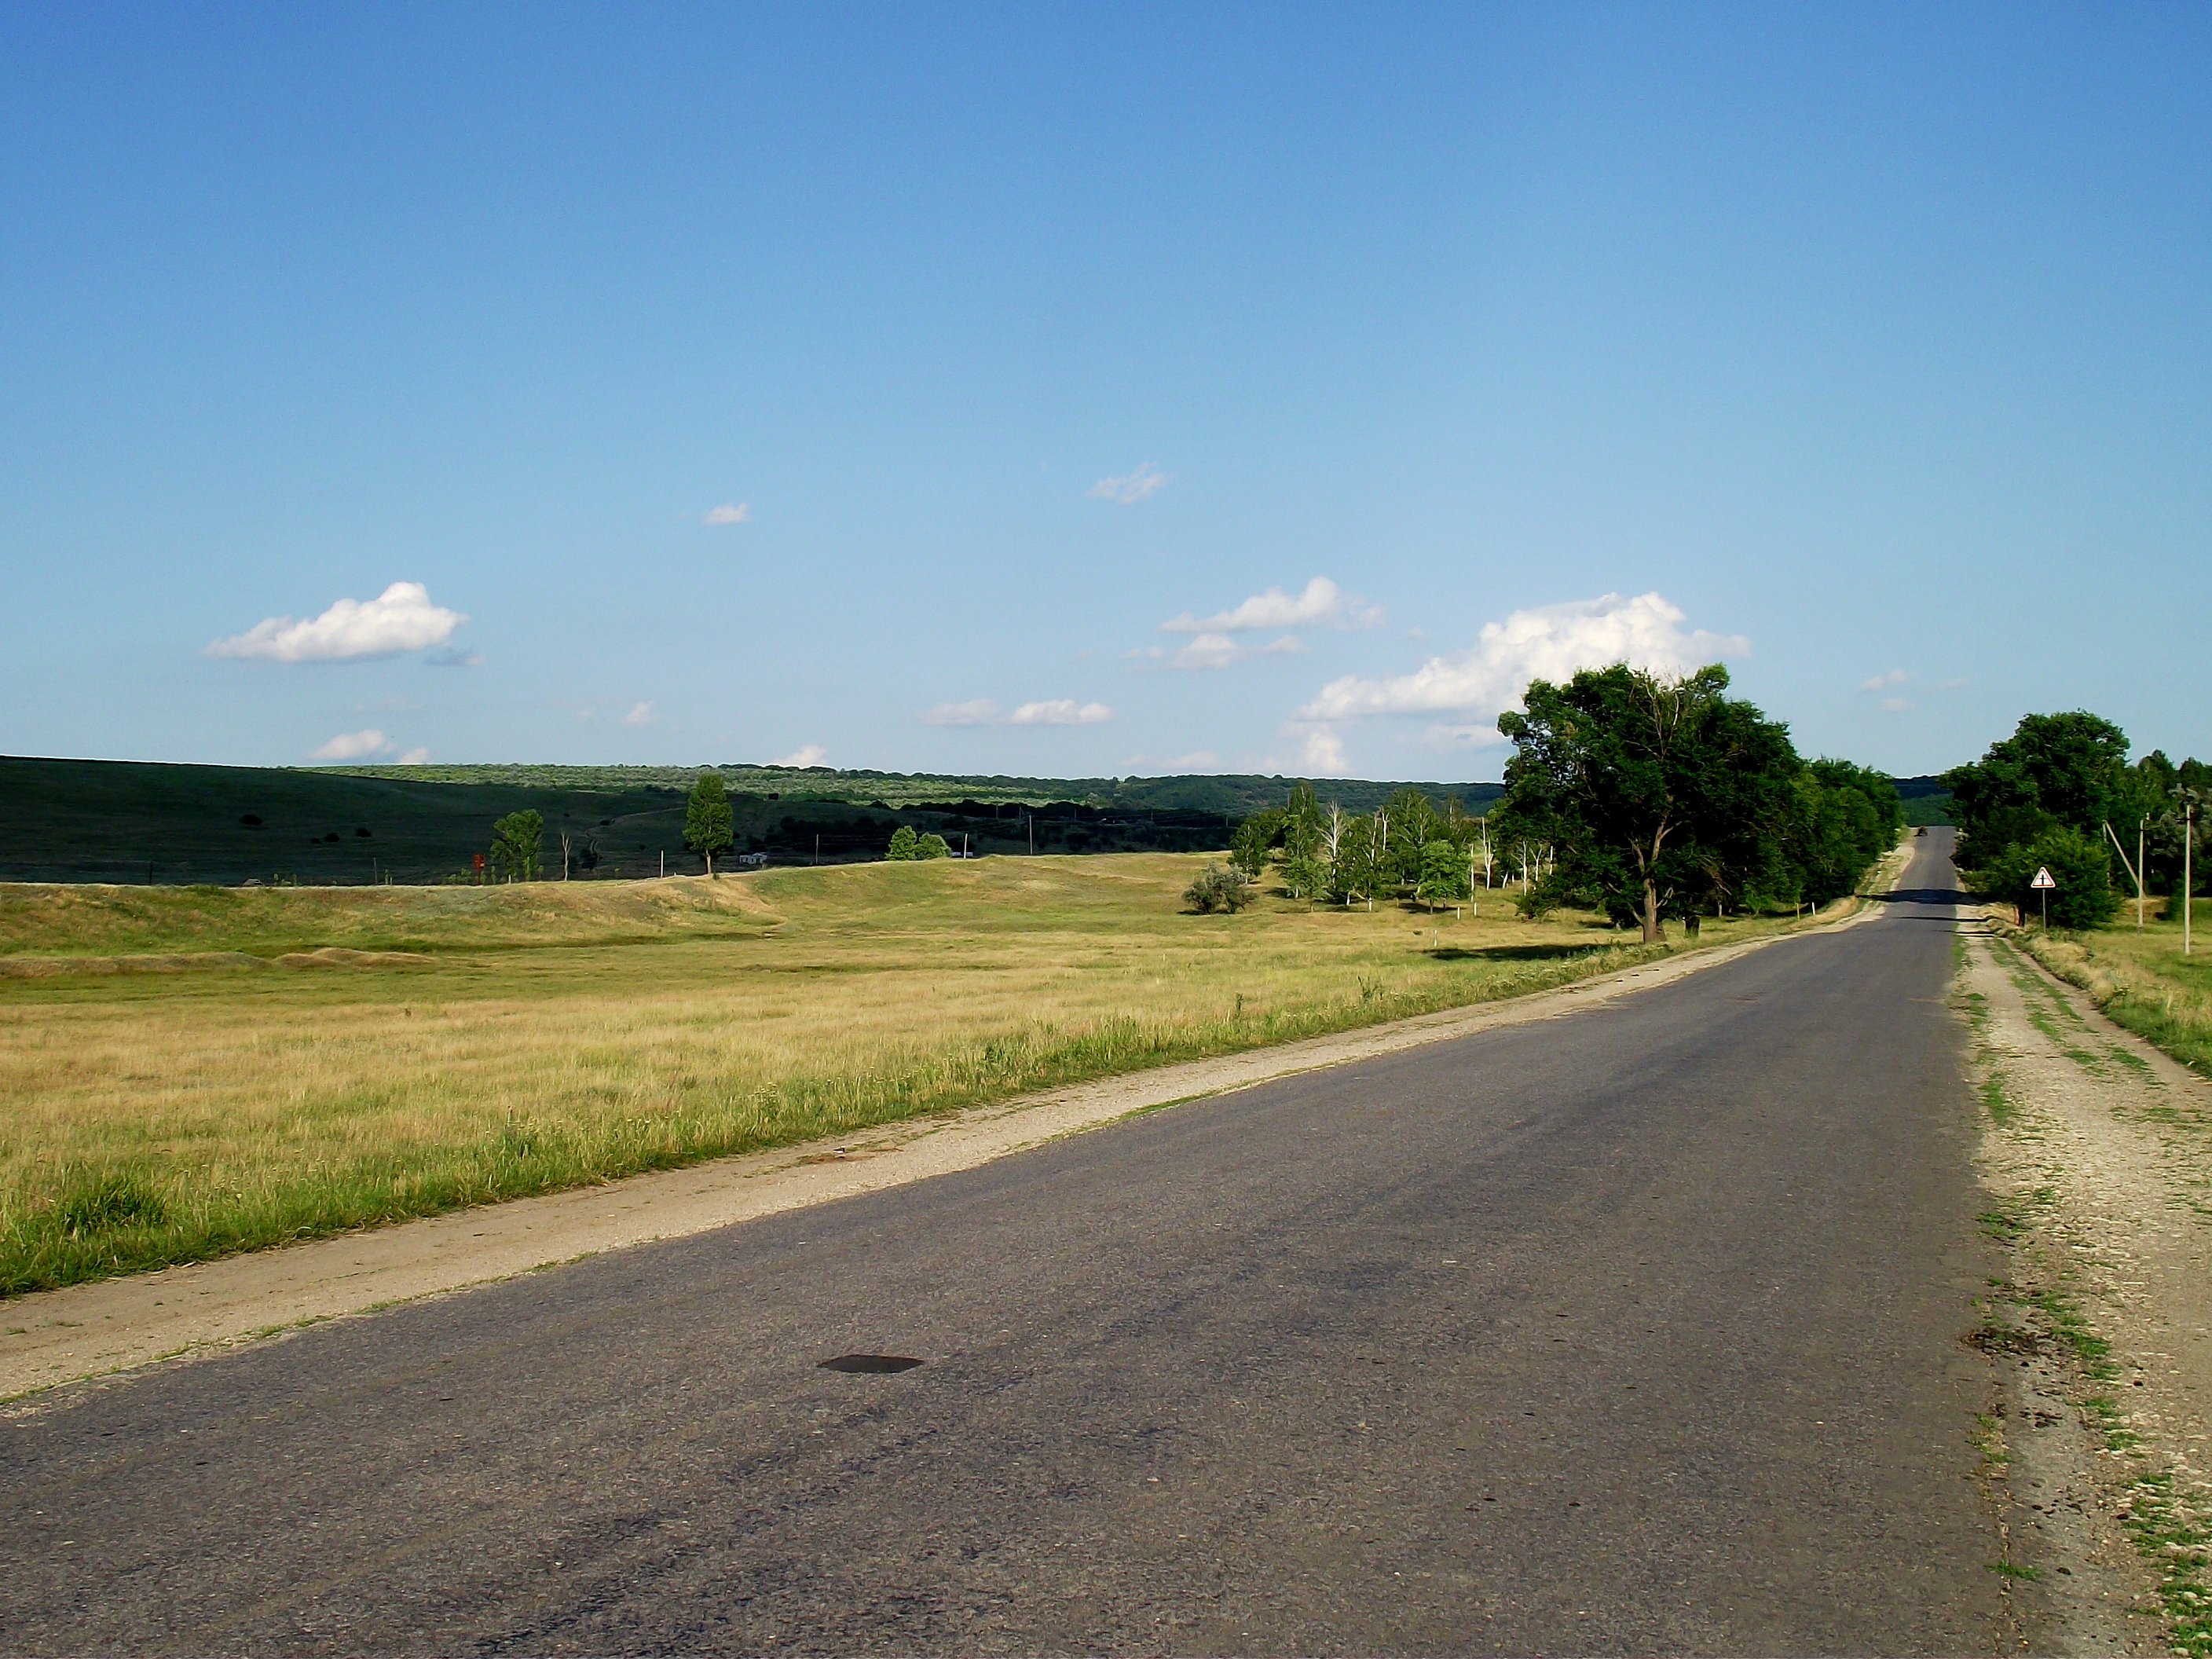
point(709, 823)
point(1659, 795)
point(2055, 772)
point(514, 845)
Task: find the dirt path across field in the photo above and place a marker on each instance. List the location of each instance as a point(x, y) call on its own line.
point(116, 1325)
point(2098, 1152)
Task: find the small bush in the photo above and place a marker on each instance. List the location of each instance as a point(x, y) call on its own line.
point(1218, 888)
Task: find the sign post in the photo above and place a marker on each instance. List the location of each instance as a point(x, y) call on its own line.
point(2043, 885)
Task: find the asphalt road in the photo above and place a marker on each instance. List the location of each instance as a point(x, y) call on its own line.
point(1638, 1329)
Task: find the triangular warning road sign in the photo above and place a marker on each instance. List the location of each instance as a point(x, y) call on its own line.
point(2042, 877)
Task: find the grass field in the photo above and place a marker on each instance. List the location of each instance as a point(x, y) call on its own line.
point(2141, 978)
point(185, 1073)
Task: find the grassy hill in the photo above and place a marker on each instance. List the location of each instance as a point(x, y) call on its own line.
point(138, 822)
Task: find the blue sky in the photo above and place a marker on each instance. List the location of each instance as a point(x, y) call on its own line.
point(1043, 360)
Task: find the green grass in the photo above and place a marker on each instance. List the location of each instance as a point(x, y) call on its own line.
point(2170, 1535)
point(2141, 981)
point(1994, 1100)
point(535, 1038)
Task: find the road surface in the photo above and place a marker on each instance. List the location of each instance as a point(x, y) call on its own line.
point(1638, 1329)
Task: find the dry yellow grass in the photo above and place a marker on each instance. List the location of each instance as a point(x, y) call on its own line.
point(539, 1037)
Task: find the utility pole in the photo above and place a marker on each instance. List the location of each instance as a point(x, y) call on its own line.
point(2134, 869)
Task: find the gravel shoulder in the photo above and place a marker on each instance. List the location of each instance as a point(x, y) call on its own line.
point(2097, 1152)
point(119, 1325)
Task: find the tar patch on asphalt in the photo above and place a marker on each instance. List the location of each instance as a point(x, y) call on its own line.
point(870, 1364)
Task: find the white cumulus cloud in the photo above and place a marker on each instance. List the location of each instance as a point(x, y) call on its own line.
point(1550, 642)
point(729, 512)
point(355, 745)
point(1060, 711)
point(1322, 603)
point(1130, 488)
point(401, 618)
point(1884, 682)
point(640, 714)
point(812, 754)
point(1322, 751)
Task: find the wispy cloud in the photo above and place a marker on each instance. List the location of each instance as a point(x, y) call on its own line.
point(1323, 604)
point(1896, 705)
point(810, 755)
point(728, 513)
point(355, 745)
point(640, 714)
point(1218, 651)
point(1195, 761)
point(415, 758)
point(1884, 682)
point(1053, 711)
point(401, 618)
point(1060, 711)
point(1130, 488)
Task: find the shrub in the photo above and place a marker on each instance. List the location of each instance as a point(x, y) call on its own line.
point(2084, 897)
point(1218, 887)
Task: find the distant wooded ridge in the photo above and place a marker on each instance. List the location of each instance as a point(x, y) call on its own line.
point(1237, 795)
point(137, 822)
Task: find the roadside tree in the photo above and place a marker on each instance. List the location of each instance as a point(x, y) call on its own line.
point(709, 823)
point(905, 845)
point(1648, 789)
